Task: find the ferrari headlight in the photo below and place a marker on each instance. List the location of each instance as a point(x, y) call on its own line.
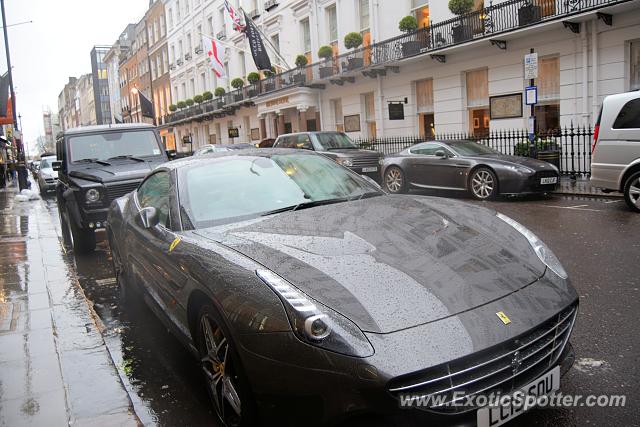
point(544, 253)
point(315, 323)
point(344, 162)
point(92, 195)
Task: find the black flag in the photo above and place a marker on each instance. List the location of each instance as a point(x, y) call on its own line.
point(4, 94)
point(146, 106)
point(258, 50)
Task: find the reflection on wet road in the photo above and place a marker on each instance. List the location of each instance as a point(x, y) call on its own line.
point(162, 378)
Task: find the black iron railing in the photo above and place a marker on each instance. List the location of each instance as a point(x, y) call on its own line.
point(376, 58)
point(569, 148)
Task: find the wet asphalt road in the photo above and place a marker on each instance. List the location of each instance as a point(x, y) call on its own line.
point(596, 239)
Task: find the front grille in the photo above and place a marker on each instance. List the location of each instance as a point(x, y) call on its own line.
point(534, 181)
point(50, 181)
point(365, 161)
point(501, 369)
point(120, 189)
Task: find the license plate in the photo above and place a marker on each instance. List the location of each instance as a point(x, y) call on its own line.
point(371, 169)
point(551, 180)
point(495, 416)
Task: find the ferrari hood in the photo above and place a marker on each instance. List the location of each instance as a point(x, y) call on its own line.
point(390, 262)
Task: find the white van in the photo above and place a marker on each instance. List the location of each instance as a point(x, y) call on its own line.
point(615, 154)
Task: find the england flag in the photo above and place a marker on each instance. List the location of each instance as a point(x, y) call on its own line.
point(215, 52)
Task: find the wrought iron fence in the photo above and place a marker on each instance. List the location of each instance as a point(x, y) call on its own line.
point(376, 59)
point(569, 148)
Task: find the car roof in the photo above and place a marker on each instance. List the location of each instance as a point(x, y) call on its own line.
point(251, 152)
point(309, 133)
point(108, 128)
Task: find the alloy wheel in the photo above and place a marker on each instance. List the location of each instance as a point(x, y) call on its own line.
point(482, 184)
point(634, 193)
point(394, 180)
point(219, 373)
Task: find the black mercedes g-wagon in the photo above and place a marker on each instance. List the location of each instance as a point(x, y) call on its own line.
point(97, 164)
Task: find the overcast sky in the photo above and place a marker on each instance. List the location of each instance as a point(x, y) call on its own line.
point(57, 45)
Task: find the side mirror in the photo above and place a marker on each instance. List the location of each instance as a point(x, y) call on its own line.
point(148, 217)
point(171, 154)
point(56, 166)
point(442, 154)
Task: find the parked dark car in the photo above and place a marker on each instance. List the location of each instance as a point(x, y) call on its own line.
point(467, 166)
point(304, 289)
point(266, 143)
point(338, 147)
point(97, 164)
point(220, 148)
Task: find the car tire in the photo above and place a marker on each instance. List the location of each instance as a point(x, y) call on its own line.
point(83, 241)
point(483, 184)
point(64, 228)
point(394, 180)
point(632, 192)
point(227, 384)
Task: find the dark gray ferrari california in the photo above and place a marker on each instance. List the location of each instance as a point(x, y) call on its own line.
point(309, 295)
point(467, 166)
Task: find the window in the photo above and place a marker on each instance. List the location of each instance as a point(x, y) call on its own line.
point(210, 24)
point(306, 35)
point(429, 149)
point(170, 18)
point(363, 7)
point(192, 87)
point(547, 111)
point(189, 43)
point(477, 83)
point(275, 41)
point(337, 114)
point(203, 82)
point(332, 23)
point(178, 18)
point(635, 65)
point(155, 192)
point(421, 12)
point(629, 116)
point(424, 106)
point(370, 114)
point(186, 7)
point(243, 64)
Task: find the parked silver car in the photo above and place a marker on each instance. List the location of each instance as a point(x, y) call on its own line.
point(46, 176)
point(615, 160)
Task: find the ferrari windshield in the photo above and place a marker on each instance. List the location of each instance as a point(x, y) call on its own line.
point(334, 141)
point(233, 188)
point(470, 148)
point(108, 145)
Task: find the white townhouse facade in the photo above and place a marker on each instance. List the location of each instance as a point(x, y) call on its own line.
point(442, 78)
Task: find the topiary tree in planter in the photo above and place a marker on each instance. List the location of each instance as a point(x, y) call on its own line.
point(189, 102)
point(237, 83)
point(354, 41)
point(301, 61)
point(326, 53)
point(219, 91)
point(198, 99)
point(411, 44)
point(173, 108)
point(253, 77)
point(182, 104)
point(207, 95)
point(462, 31)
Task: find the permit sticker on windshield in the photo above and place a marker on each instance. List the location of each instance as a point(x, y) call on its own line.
point(156, 152)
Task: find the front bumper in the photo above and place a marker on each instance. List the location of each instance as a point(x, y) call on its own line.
point(335, 387)
point(515, 184)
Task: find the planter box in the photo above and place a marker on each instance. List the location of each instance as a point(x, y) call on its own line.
point(299, 78)
point(269, 87)
point(252, 93)
point(461, 33)
point(529, 14)
point(355, 63)
point(411, 48)
point(237, 98)
point(326, 72)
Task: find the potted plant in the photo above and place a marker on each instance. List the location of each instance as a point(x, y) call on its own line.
point(462, 31)
point(354, 41)
point(219, 94)
point(173, 108)
point(253, 78)
point(528, 14)
point(207, 95)
point(270, 81)
point(182, 104)
point(237, 84)
point(326, 53)
point(407, 25)
point(189, 102)
point(299, 76)
point(198, 99)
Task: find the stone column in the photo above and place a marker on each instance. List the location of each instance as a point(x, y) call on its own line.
point(302, 117)
point(280, 122)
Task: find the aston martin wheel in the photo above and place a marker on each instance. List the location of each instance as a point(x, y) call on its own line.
point(483, 184)
point(394, 180)
point(225, 379)
point(632, 191)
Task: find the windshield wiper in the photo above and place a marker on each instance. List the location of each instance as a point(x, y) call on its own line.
point(306, 205)
point(126, 156)
point(348, 147)
point(367, 195)
point(94, 160)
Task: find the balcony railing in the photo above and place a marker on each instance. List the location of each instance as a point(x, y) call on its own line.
point(373, 60)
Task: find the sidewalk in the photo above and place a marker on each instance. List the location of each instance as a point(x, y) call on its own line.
point(581, 187)
point(54, 367)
